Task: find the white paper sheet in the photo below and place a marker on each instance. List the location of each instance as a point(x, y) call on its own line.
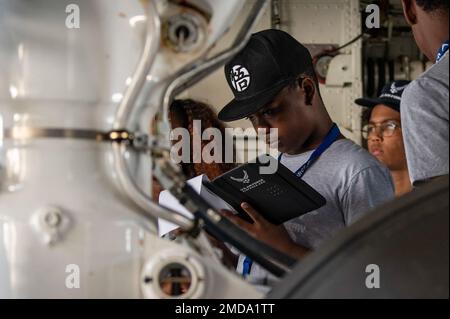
point(169, 201)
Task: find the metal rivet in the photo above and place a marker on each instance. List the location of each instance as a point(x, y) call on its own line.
point(53, 218)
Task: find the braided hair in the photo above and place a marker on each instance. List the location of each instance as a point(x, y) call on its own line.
point(186, 111)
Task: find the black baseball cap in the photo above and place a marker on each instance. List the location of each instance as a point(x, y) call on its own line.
point(270, 61)
point(391, 96)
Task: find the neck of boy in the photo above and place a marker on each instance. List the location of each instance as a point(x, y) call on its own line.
point(437, 35)
point(401, 181)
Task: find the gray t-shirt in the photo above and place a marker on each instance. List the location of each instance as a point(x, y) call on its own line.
point(352, 181)
point(425, 123)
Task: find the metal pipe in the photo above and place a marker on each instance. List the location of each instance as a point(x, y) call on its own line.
point(132, 191)
point(276, 14)
point(121, 121)
point(151, 47)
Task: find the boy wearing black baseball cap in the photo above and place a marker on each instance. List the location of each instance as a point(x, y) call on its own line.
point(384, 133)
point(275, 87)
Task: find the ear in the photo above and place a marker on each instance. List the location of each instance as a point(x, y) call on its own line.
point(410, 11)
point(308, 87)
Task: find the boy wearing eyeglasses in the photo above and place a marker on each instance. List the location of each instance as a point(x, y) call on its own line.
point(384, 133)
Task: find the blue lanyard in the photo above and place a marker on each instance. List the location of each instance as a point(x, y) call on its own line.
point(442, 51)
point(331, 137)
point(247, 266)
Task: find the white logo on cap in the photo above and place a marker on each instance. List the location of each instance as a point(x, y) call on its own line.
point(240, 78)
point(395, 89)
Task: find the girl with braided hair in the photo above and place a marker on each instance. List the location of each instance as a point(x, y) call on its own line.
point(182, 114)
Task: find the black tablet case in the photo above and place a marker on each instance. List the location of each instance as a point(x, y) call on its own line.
point(278, 197)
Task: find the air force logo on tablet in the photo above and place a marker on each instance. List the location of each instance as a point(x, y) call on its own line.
point(244, 180)
point(240, 78)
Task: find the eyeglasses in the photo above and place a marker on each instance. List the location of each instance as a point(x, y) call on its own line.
point(385, 129)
